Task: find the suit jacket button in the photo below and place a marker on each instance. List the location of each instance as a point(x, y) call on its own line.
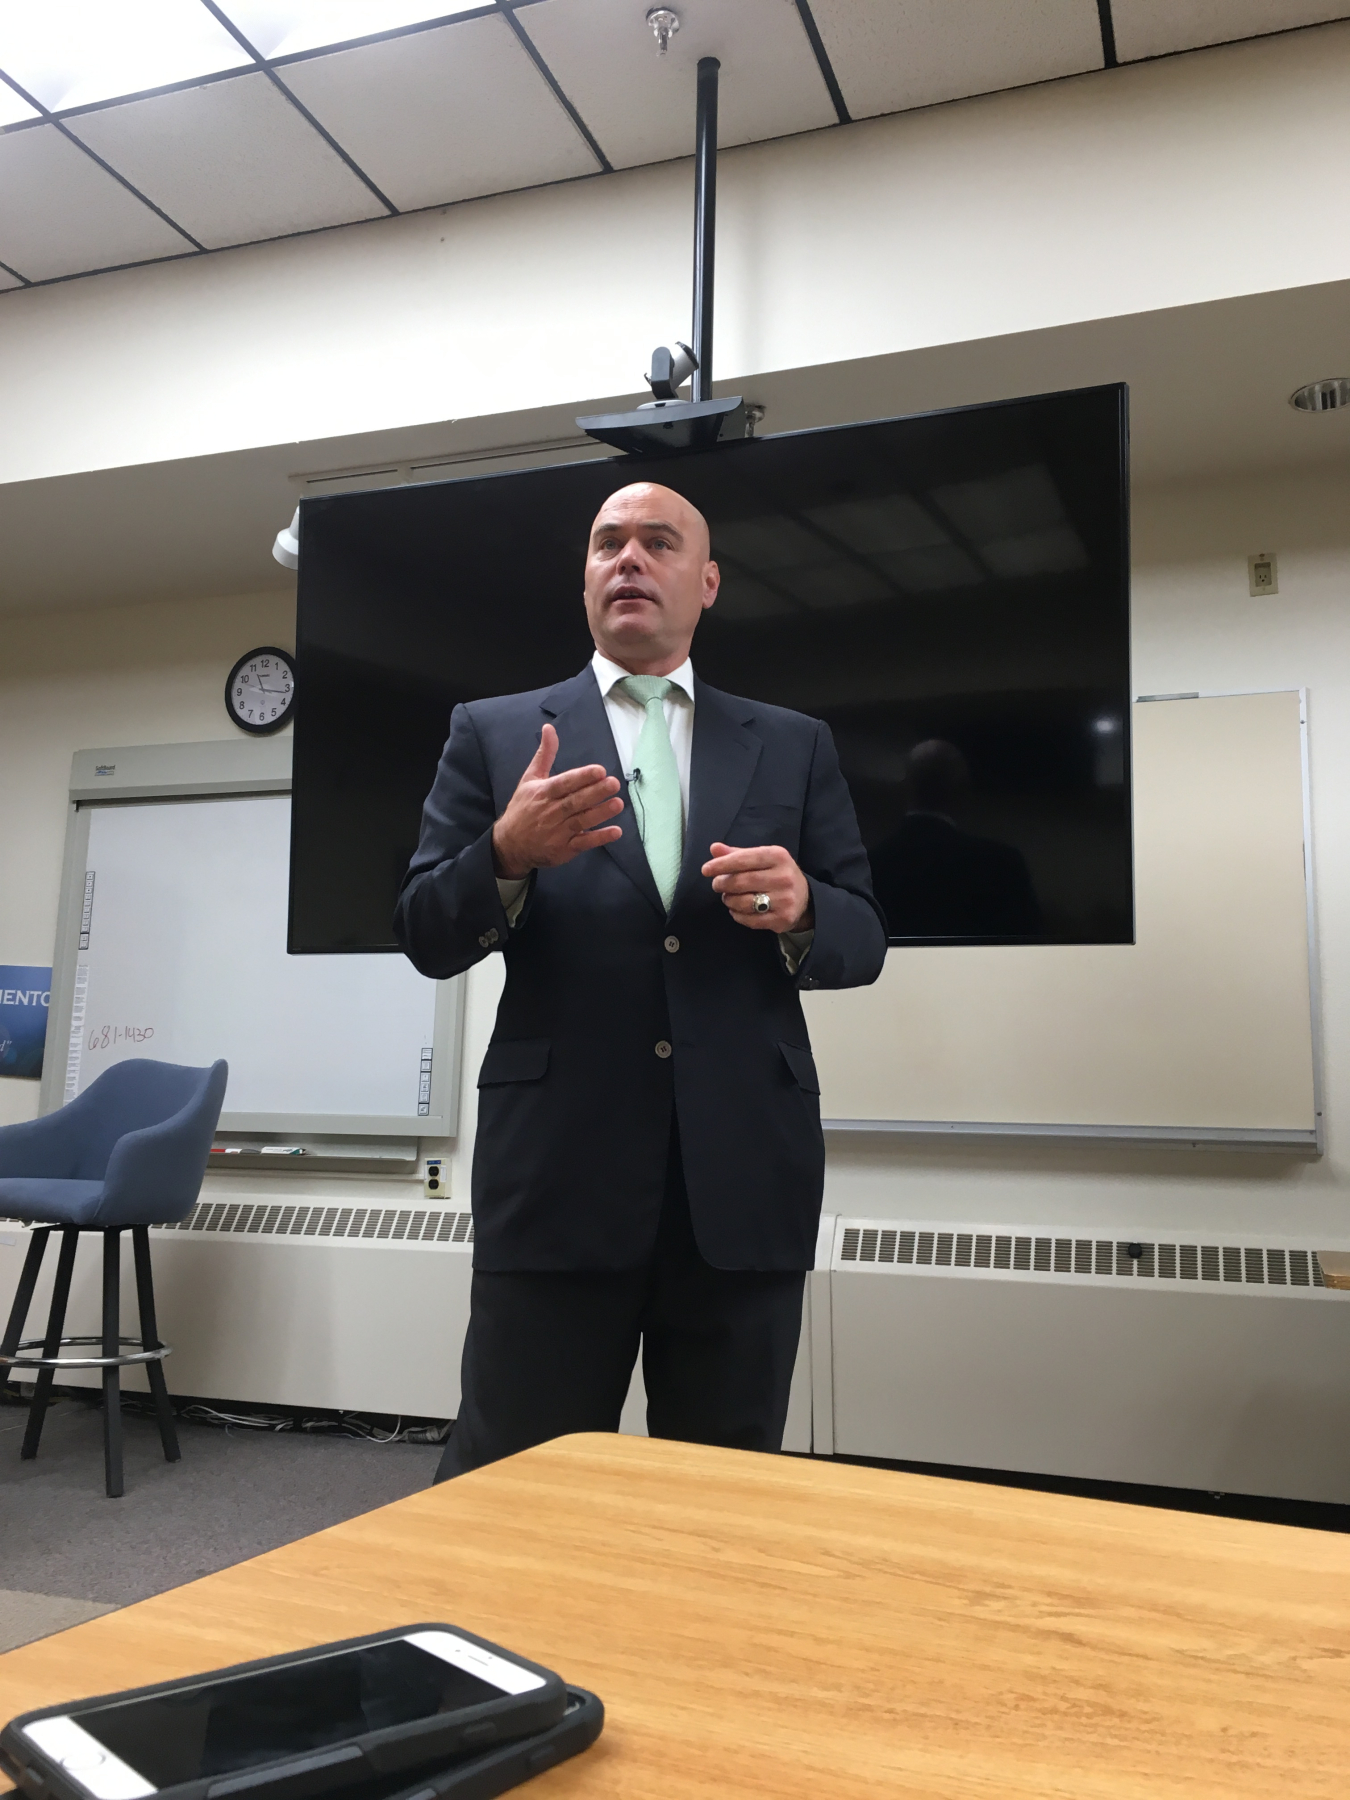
point(488, 939)
point(663, 1049)
point(672, 944)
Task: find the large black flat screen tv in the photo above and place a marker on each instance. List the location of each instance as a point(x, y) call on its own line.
point(950, 592)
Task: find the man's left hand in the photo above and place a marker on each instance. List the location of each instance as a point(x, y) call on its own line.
point(738, 875)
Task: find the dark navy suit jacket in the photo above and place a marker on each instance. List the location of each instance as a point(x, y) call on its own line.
point(615, 1015)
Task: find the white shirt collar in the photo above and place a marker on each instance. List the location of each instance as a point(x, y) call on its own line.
point(607, 673)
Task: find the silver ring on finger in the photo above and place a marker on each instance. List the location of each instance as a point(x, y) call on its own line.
point(763, 903)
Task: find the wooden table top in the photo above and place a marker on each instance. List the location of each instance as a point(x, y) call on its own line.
point(773, 1627)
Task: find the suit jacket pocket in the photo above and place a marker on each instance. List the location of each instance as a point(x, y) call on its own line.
point(514, 1059)
point(803, 1066)
point(766, 822)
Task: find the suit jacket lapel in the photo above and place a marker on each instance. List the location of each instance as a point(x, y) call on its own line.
point(724, 759)
point(584, 736)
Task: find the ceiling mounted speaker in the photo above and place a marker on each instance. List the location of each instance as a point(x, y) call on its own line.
point(1322, 396)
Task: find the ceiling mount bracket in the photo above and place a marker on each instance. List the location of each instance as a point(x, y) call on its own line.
point(668, 423)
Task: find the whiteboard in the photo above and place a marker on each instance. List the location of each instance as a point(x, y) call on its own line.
point(179, 912)
point(1201, 1030)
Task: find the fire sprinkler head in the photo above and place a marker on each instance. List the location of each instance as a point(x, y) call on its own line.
point(664, 24)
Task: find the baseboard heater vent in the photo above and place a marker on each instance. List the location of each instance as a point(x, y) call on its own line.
point(990, 1252)
point(369, 1224)
point(1105, 1355)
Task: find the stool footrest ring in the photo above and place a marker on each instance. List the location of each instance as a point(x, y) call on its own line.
point(19, 1361)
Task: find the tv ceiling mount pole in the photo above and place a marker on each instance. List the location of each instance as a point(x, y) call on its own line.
point(705, 223)
point(666, 422)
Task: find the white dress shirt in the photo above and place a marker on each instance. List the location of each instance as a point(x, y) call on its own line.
point(626, 718)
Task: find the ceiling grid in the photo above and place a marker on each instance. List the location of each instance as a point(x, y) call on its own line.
point(202, 124)
point(261, 63)
point(523, 37)
point(59, 125)
point(831, 80)
point(1106, 20)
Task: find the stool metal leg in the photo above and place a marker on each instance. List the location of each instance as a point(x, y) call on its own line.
point(23, 1297)
point(145, 1295)
point(112, 1375)
point(56, 1324)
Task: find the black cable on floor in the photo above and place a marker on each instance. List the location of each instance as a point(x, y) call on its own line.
point(243, 1415)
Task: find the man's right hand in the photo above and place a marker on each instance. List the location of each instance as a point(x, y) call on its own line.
point(552, 818)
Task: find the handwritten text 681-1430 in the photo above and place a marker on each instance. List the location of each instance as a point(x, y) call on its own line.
point(103, 1037)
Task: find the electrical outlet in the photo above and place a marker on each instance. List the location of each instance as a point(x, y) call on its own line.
point(1263, 574)
point(434, 1184)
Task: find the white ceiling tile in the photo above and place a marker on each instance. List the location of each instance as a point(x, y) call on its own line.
point(61, 214)
point(443, 115)
point(9, 281)
point(283, 27)
point(231, 162)
point(889, 55)
point(77, 52)
point(640, 105)
point(12, 109)
point(1156, 27)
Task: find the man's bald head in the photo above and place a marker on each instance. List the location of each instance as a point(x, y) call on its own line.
point(661, 506)
point(649, 577)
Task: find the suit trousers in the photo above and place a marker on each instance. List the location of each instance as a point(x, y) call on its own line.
point(547, 1354)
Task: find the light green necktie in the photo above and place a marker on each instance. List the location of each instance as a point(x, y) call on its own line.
point(655, 792)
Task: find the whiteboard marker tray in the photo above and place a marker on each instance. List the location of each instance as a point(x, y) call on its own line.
point(233, 1154)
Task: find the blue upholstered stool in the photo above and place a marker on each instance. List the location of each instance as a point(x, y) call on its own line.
point(129, 1152)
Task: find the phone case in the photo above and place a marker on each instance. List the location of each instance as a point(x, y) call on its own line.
point(492, 1772)
point(363, 1759)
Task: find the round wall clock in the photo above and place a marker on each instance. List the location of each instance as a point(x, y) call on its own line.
point(260, 692)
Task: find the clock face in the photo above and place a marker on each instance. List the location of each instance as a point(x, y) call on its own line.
point(261, 690)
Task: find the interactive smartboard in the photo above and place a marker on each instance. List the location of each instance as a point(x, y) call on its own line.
point(176, 949)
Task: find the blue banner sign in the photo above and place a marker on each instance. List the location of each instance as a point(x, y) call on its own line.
point(25, 996)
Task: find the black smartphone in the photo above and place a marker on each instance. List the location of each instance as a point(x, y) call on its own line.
point(492, 1772)
point(288, 1726)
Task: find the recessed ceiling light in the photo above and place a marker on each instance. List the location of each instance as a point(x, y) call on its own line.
point(77, 52)
point(1322, 396)
point(12, 109)
point(285, 27)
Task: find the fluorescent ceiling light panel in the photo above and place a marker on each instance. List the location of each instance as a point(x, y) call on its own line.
point(932, 569)
point(773, 543)
point(1055, 551)
point(889, 522)
point(1003, 506)
point(742, 597)
point(12, 109)
point(286, 27)
point(841, 584)
point(78, 52)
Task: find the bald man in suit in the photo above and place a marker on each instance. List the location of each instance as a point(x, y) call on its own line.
point(664, 868)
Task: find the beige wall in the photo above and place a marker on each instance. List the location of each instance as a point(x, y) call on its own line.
point(1162, 185)
point(156, 673)
point(1195, 628)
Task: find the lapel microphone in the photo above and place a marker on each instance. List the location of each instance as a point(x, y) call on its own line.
point(634, 786)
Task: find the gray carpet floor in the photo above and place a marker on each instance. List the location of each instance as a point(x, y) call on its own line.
point(68, 1552)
